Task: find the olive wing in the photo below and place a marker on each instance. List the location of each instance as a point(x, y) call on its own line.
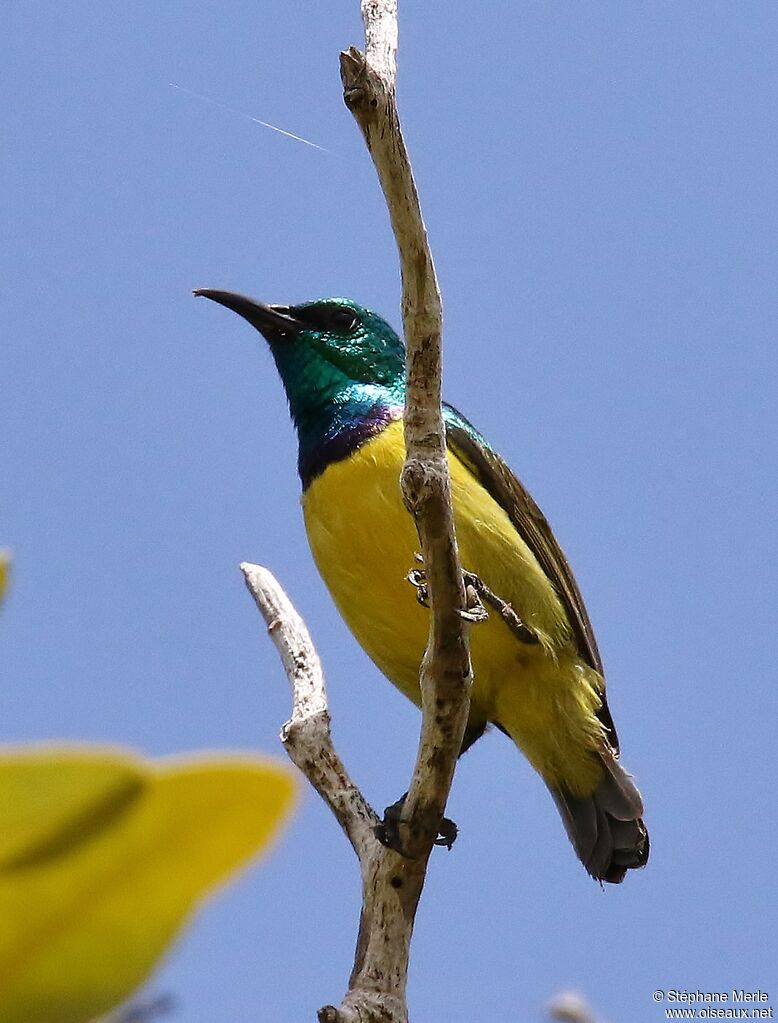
point(497, 479)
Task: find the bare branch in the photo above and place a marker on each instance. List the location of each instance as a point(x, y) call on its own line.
point(369, 92)
point(306, 736)
point(391, 884)
point(141, 1012)
point(570, 1007)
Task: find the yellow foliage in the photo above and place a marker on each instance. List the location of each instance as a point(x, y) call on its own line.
point(5, 571)
point(102, 857)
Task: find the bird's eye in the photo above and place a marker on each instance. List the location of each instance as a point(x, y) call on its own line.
point(344, 321)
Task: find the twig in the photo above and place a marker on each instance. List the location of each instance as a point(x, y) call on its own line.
point(141, 1012)
point(570, 1007)
point(306, 736)
point(369, 92)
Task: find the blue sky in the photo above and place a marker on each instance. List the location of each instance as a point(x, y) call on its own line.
point(599, 186)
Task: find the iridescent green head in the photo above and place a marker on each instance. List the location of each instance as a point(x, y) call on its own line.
point(342, 366)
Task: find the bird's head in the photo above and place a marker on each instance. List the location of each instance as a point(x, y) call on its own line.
point(342, 367)
point(323, 348)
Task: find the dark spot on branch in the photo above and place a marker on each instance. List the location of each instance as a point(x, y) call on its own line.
point(354, 98)
point(396, 882)
point(437, 759)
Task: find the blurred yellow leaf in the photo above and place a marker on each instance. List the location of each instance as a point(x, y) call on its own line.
point(103, 855)
point(5, 571)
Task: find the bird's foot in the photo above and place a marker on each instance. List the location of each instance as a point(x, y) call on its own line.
point(486, 596)
point(447, 833)
point(387, 831)
point(473, 612)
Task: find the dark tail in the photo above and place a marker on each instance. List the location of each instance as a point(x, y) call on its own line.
point(606, 828)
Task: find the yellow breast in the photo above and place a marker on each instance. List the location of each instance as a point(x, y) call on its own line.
point(364, 542)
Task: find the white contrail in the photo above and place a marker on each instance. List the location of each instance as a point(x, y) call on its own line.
point(256, 120)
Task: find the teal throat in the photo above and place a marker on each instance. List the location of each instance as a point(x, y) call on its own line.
point(333, 414)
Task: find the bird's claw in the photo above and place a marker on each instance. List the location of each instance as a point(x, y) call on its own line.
point(387, 831)
point(473, 612)
point(447, 833)
point(417, 577)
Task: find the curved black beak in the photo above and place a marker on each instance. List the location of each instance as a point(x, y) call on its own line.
point(273, 321)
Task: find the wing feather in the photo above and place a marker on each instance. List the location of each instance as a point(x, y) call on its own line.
point(497, 479)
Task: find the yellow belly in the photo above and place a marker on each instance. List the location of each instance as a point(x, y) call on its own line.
point(364, 541)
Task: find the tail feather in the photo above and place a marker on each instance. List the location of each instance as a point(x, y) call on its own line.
point(606, 828)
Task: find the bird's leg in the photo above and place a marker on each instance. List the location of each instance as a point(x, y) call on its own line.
point(478, 596)
point(475, 610)
point(519, 628)
point(388, 830)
